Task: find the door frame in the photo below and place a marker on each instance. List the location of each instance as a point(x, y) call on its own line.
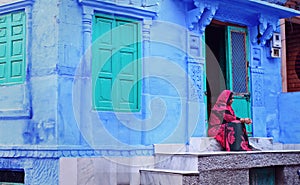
point(229, 67)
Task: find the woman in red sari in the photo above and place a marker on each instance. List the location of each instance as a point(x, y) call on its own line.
point(228, 129)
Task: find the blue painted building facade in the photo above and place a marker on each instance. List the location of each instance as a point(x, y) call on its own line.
point(47, 97)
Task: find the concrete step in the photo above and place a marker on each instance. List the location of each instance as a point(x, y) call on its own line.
point(163, 176)
point(179, 161)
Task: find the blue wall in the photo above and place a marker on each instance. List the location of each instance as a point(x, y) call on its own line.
point(50, 109)
point(289, 112)
point(51, 116)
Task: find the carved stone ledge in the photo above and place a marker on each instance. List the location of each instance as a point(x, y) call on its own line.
point(201, 16)
point(137, 8)
point(13, 152)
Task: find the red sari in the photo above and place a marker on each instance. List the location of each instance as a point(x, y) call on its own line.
point(225, 127)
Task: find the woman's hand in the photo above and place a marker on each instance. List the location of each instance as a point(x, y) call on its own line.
point(246, 120)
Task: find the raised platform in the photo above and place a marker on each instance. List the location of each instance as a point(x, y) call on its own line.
point(227, 167)
point(203, 162)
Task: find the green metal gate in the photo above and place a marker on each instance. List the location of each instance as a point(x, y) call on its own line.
point(238, 71)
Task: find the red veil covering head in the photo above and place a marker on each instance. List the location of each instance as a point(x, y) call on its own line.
point(222, 112)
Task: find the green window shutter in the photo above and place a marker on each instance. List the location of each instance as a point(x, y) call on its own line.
point(102, 62)
point(12, 48)
point(115, 65)
point(4, 37)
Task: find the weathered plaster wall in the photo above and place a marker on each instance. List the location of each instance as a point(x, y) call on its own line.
point(70, 52)
point(43, 72)
point(29, 109)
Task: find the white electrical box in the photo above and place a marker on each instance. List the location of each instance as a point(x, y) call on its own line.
point(276, 40)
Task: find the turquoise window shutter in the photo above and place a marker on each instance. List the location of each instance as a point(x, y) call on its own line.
point(102, 63)
point(115, 63)
point(12, 48)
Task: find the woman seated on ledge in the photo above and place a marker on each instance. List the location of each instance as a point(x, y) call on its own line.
point(225, 127)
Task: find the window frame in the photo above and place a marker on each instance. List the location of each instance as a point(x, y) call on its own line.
point(25, 111)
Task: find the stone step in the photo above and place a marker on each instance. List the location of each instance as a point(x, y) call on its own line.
point(262, 143)
point(207, 144)
point(163, 176)
point(180, 161)
point(170, 148)
point(203, 144)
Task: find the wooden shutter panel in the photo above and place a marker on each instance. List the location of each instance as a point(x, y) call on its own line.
point(115, 66)
point(3, 48)
point(103, 62)
point(12, 47)
point(127, 74)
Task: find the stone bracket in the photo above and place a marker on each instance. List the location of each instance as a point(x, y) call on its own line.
point(264, 30)
point(201, 16)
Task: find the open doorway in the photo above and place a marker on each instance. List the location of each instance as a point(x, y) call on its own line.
point(215, 63)
point(227, 67)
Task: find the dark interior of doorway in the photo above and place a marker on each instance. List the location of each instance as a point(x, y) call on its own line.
point(215, 39)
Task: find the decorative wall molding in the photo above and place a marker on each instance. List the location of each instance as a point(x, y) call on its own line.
point(257, 86)
point(258, 97)
point(43, 152)
point(201, 16)
point(21, 4)
point(131, 8)
point(196, 75)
